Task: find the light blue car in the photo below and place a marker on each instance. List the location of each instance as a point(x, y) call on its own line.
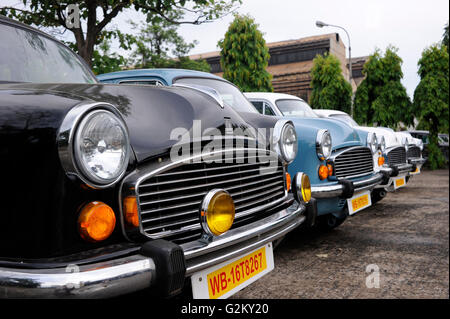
point(348, 156)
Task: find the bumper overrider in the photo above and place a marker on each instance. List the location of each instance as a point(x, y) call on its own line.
point(158, 264)
point(346, 188)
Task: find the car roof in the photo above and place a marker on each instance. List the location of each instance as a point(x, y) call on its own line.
point(167, 74)
point(271, 96)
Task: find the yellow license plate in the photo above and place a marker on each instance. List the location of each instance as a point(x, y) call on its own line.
point(224, 280)
point(359, 202)
point(399, 182)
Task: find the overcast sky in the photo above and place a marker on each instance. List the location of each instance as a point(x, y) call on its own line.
point(410, 25)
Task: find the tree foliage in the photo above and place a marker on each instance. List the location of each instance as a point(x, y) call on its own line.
point(431, 98)
point(445, 36)
point(330, 90)
point(245, 56)
point(381, 98)
point(158, 45)
point(95, 15)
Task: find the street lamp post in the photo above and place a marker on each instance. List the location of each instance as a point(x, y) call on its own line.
point(321, 24)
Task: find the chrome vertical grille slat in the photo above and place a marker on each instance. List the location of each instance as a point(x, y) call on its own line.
point(352, 162)
point(414, 152)
point(396, 156)
point(169, 201)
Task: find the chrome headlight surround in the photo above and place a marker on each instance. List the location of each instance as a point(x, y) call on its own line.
point(372, 142)
point(285, 140)
point(405, 143)
point(382, 144)
point(324, 144)
point(420, 145)
point(68, 143)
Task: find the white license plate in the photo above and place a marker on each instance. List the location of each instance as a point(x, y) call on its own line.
point(358, 202)
point(399, 182)
point(223, 280)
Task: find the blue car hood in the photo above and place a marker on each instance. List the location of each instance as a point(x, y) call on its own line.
point(342, 135)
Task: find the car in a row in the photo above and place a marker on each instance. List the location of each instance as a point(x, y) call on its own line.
point(166, 180)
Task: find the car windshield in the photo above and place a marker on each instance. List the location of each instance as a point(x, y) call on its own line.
point(297, 108)
point(345, 118)
point(228, 92)
point(27, 56)
point(443, 138)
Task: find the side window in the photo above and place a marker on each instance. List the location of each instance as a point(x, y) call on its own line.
point(258, 106)
point(268, 110)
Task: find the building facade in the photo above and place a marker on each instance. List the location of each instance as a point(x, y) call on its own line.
point(291, 62)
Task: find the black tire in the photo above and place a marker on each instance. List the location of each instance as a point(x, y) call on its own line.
point(329, 222)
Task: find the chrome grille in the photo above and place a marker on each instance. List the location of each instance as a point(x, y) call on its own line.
point(413, 152)
point(355, 161)
point(397, 156)
point(169, 202)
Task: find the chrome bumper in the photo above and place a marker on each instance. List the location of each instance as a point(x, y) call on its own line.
point(136, 272)
point(417, 161)
point(338, 190)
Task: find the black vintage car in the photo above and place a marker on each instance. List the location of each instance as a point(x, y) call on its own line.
point(101, 198)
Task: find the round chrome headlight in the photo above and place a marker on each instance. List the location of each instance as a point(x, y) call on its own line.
point(372, 142)
point(285, 139)
point(101, 147)
point(382, 144)
point(323, 144)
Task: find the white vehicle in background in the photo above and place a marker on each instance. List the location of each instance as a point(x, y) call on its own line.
point(402, 153)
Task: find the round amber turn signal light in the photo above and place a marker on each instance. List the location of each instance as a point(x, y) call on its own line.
point(323, 172)
point(380, 161)
point(96, 222)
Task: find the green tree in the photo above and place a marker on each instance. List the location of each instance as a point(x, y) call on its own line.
point(431, 98)
point(95, 15)
point(330, 90)
point(245, 56)
point(158, 45)
point(445, 36)
point(381, 98)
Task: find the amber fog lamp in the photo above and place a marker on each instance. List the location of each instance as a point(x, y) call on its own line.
point(323, 172)
point(217, 212)
point(96, 222)
point(301, 187)
point(380, 161)
point(288, 182)
point(131, 211)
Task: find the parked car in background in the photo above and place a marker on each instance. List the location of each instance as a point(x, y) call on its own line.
point(442, 141)
point(95, 205)
point(401, 153)
point(341, 161)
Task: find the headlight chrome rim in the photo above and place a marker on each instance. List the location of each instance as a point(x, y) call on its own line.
point(279, 138)
point(372, 142)
point(301, 188)
point(66, 140)
point(321, 136)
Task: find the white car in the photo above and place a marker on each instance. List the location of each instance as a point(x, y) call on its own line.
point(403, 152)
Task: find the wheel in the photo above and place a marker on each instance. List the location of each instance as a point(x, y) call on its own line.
point(329, 222)
point(377, 195)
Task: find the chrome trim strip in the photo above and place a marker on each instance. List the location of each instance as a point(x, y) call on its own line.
point(101, 280)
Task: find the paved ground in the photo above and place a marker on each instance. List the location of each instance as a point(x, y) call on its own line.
point(406, 235)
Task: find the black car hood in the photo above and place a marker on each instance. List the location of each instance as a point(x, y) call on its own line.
point(151, 113)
